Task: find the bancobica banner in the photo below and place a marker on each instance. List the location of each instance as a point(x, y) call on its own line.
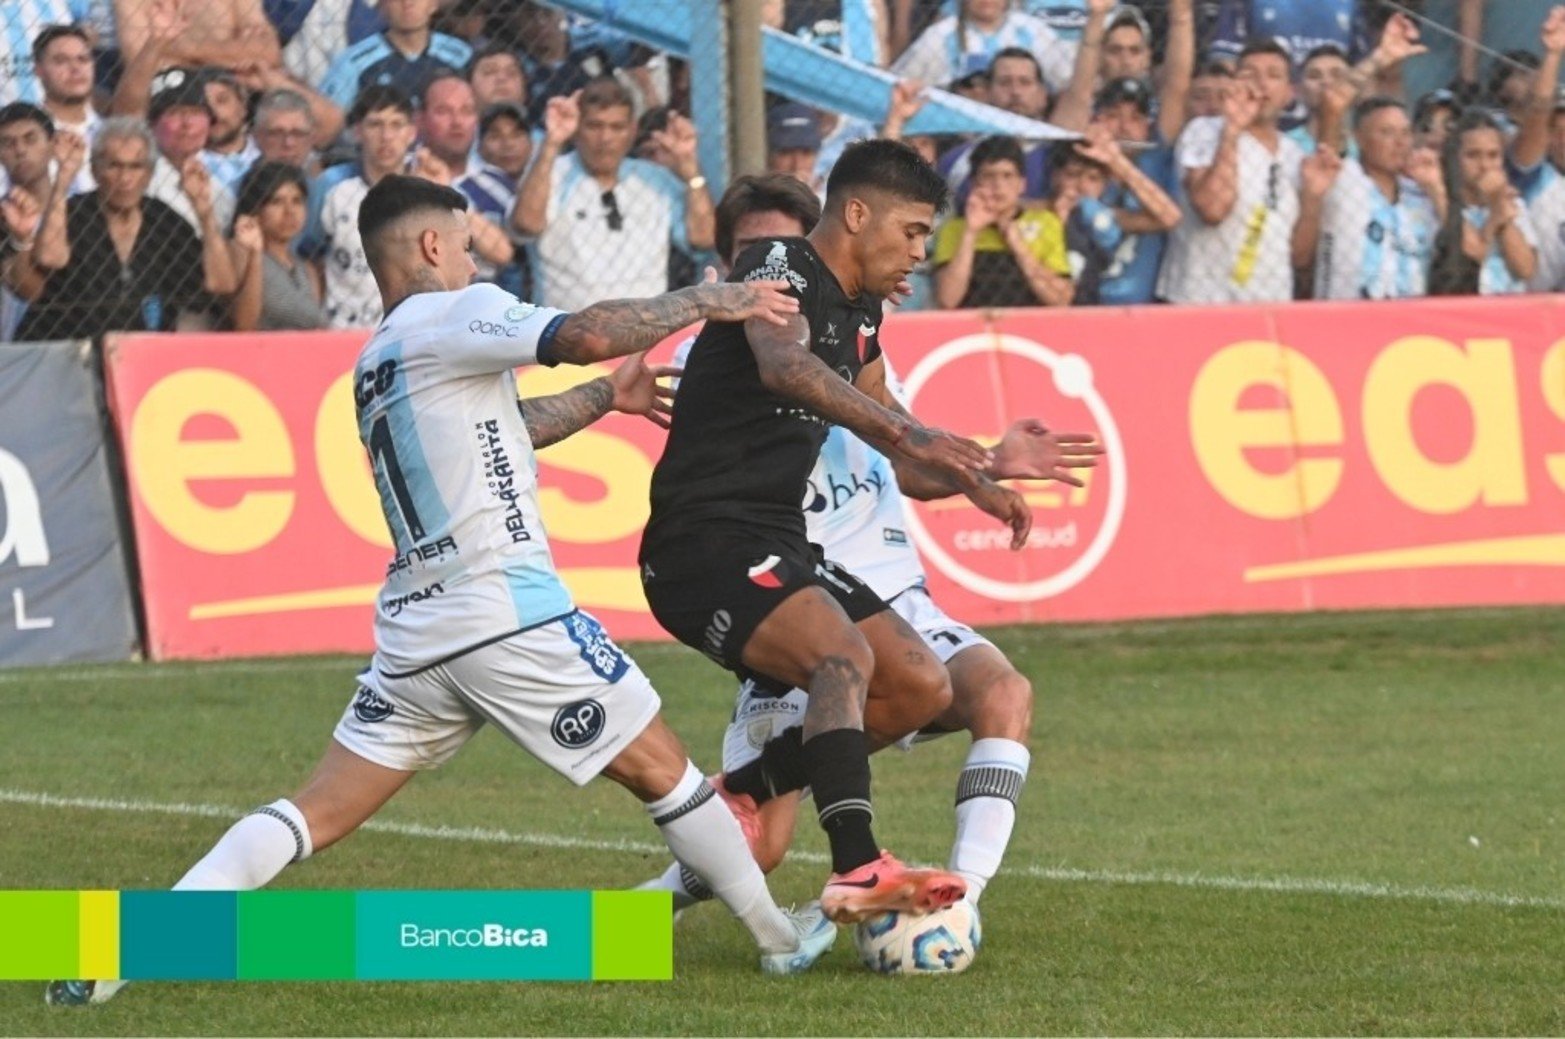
point(63, 589)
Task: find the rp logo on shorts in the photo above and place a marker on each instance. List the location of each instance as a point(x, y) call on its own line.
point(578, 724)
point(370, 707)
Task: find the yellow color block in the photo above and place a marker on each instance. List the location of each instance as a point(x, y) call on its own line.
point(99, 922)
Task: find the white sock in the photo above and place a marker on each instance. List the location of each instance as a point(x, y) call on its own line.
point(681, 882)
point(986, 793)
point(704, 835)
point(253, 851)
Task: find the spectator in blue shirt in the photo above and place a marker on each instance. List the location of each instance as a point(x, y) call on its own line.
point(404, 56)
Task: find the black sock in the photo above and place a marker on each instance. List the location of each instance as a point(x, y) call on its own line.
point(838, 764)
point(779, 770)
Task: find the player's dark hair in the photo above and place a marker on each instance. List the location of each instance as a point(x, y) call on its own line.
point(51, 33)
point(889, 166)
point(1266, 45)
point(377, 98)
point(394, 197)
point(999, 148)
point(1020, 54)
point(26, 112)
point(765, 193)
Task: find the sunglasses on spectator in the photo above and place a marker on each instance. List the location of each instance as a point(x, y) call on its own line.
point(611, 207)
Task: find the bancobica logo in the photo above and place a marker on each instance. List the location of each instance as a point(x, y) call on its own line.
point(370, 707)
point(1073, 528)
point(578, 724)
point(485, 936)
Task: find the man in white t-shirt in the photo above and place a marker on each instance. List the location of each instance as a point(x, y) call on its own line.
point(601, 222)
point(1241, 192)
point(1368, 229)
point(63, 66)
point(473, 625)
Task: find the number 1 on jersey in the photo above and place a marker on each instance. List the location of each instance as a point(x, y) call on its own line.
point(383, 453)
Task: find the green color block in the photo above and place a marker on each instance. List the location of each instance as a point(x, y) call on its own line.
point(296, 935)
point(177, 935)
point(38, 935)
point(632, 936)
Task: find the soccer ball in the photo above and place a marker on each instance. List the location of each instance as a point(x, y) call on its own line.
point(943, 942)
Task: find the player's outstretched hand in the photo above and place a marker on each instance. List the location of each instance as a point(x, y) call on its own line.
point(1031, 451)
point(944, 450)
point(1006, 506)
point(638, 392)
point(742, 300)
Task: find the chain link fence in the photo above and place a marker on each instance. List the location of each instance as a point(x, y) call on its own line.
point(174, 164)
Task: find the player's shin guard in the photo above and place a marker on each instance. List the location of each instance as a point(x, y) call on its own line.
point(703, 834)
point(838, 763)
point(253, 851)
point(986, 794)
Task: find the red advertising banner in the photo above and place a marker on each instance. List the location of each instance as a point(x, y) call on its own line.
point(1303, 457)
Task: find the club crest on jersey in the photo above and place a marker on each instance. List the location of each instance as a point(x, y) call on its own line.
point(578, 724)
point(370, 707)
point(768, 573)
point(865, 331)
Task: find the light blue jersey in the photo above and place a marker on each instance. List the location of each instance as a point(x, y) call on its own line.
point(1494, 277)
point(20, 23)
point(435, 399)
point(1371, 246)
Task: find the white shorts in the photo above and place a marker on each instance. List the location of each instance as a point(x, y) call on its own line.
point(563, 691)
point(758, 715)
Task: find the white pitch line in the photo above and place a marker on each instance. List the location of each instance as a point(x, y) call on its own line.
point(484, 835)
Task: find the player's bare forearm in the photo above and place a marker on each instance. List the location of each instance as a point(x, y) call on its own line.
point(553, 418)
point(788, 368)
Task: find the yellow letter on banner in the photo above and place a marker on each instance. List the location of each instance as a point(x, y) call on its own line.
point(1221, 431)
point(1484, 374)
point(164, 464)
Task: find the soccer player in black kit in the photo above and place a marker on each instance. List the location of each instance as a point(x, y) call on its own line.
point(725, 561)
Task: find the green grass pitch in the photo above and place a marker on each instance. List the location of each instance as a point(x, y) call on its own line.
point(1323, 824)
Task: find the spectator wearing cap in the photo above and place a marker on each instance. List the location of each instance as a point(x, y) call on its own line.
point(968, 40)
point(404, 56)
point(605, 222)
point(230, 34)
point(1016, 84)
point(504, 146)
point(277, 290)
point(181, 121)
point(1140, 191)
point(21, 23)
point(381, 121)
point(1240, 177)
point(1116, 44)
point(793, 143)
point(62, 63)
point(1301, 25)
point(496, 76)
point(1433, 116)
point(230, 150)
point(999, 253)
point(117, 259)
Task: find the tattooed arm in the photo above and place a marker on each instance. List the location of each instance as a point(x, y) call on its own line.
point(553, 418)
point(632, 389)
point(617, 327)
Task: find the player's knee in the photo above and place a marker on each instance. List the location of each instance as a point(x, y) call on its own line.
point(847, 666)
point(1003, 709)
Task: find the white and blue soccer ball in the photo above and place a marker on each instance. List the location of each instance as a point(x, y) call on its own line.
point(943, 942)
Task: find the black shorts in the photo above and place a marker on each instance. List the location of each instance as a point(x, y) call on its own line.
point(712, 589)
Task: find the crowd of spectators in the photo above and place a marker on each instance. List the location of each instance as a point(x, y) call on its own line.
point(198, 164)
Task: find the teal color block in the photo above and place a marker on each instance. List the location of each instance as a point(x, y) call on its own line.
point(178, 935)
point(474, 935)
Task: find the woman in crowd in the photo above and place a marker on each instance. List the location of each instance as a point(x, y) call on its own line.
point(277, 289)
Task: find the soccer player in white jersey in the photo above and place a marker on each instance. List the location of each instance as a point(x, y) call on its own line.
point(473, 623)
point(1368, 228)
point(855, 512)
